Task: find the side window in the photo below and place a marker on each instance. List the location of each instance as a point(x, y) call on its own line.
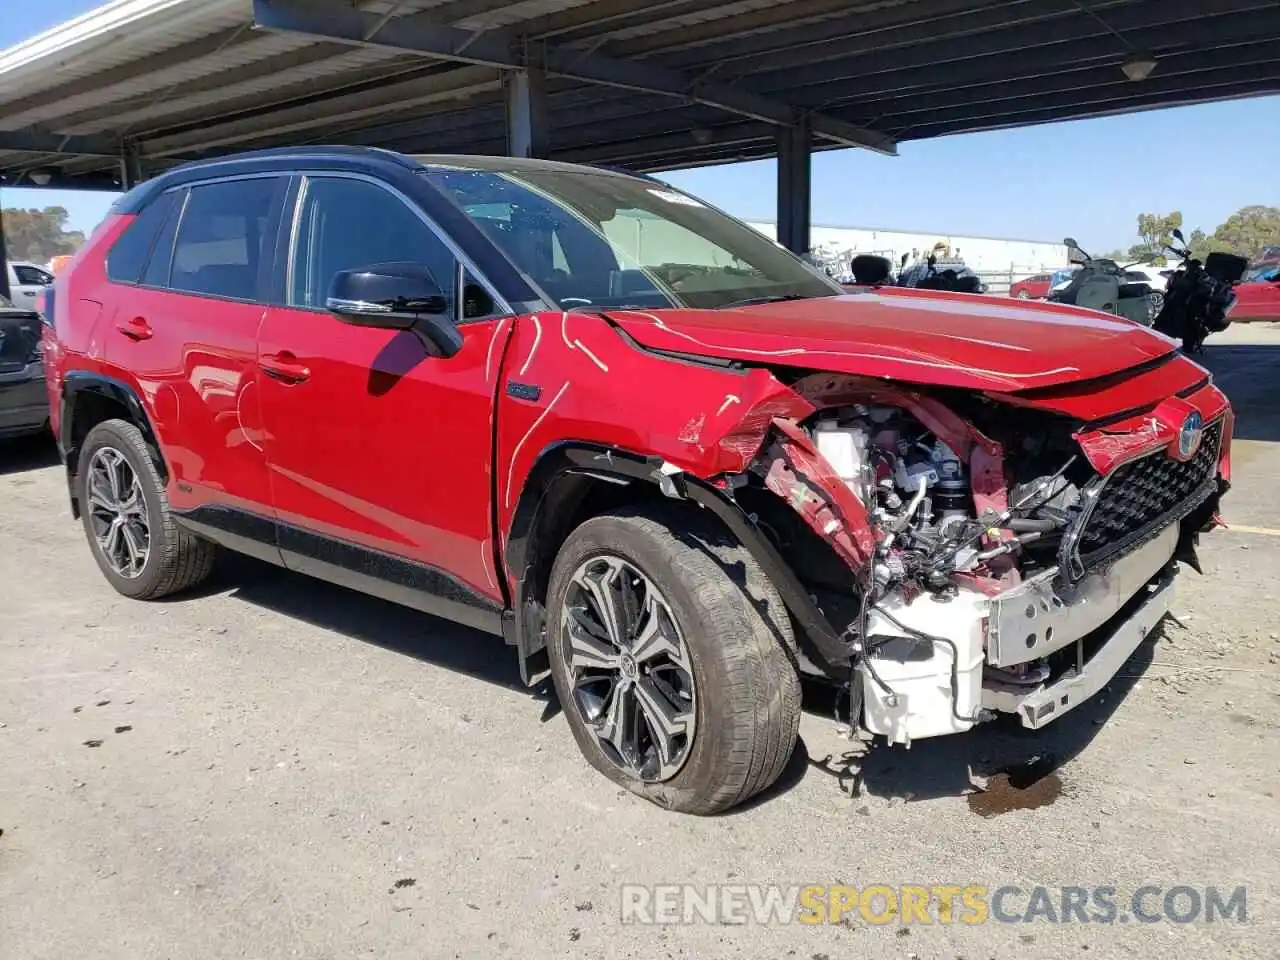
point(345, 224)
point(224, 234)
point(31, 276)
point(129, 253)
point(158, 267)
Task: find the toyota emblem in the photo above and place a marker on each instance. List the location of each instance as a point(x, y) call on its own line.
point(1189, 436)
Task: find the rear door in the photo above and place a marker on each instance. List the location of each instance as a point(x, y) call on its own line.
point(380, 453)
point(186, 333)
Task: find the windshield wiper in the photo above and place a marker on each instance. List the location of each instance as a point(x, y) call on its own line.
point(776, 298)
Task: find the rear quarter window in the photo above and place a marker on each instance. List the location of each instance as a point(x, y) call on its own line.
point(128, 255)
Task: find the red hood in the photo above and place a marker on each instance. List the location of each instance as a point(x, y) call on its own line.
point(926, 337)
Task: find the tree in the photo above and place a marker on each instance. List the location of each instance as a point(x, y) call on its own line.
point(1248, 230)
point(39, 235)
point(1201, 244)
point(1156, 232)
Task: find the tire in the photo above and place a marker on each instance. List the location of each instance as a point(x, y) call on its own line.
point(1023, 295)
point(1155, 302)
point(174, 559)
point(740, 652)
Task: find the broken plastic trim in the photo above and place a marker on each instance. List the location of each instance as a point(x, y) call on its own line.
point(822, 642)
point(831, 654)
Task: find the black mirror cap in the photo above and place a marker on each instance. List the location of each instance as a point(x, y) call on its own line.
point(393, 296)
point(396, 296)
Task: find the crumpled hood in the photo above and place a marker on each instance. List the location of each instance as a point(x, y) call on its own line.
point(926, 337)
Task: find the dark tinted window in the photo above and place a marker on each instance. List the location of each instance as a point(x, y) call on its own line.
point(157, 272)
point(223, 237)
point(129, 253)
point(31, 276)
point(346, 224)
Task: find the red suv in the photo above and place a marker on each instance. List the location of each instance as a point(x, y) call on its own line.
point(659, 455)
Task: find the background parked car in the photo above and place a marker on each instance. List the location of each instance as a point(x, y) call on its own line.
point(1155, 277)
point(26, 282)
point(1258, 299)
point(24, 405)
point(1032, 288)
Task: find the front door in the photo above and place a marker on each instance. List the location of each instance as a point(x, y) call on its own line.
point(380, 454)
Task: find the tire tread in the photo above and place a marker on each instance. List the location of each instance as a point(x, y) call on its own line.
point(759, 696)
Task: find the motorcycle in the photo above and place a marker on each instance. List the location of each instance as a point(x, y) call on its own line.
point(1199, 296)
point(871, 270)
point(1100, 284)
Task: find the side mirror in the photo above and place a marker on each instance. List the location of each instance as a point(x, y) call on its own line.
point(1177, 235)
point(1070, 243)
point(396, 296)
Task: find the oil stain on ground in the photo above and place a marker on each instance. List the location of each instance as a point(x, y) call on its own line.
point(1027, 786)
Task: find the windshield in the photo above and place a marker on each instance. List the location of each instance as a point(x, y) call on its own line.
point(592, 238)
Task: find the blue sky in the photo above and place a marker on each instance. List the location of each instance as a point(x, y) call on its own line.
point(1089, 178)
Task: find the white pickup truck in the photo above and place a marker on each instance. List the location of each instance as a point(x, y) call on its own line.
point(26, 282)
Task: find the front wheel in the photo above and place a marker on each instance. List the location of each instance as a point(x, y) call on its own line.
point(673, 658)
point(1024, 295)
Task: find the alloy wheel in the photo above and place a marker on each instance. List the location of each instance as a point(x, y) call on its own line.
point(629, 668)
point(118, 512)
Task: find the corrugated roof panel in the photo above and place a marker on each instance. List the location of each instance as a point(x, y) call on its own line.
point(250, 49)
point(661, 24)
point(516, 13)
point(169, 104)
point(32, 66)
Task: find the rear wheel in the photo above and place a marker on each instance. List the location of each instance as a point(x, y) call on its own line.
point(126, 517)
point(1024, 295)
point(674, 660)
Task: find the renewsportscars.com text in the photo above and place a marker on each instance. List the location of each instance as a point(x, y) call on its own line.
point(929, 904)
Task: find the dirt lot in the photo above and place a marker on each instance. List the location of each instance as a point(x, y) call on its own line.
point(290, 770)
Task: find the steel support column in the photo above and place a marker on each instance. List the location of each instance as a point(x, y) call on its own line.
point(130, 166)
point(526, 93)
point(794, 187)
point(4, 262)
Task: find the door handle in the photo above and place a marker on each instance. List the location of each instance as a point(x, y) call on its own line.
point(135, 329)
point(284, 366)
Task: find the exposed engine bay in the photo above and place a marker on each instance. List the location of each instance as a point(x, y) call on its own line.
point(973, 555)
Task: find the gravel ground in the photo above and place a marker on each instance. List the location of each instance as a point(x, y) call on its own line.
point(276, 768)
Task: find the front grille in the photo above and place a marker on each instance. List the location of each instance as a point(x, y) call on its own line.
point(1141, 498)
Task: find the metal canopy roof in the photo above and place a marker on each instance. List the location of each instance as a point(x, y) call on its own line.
point(647, 84)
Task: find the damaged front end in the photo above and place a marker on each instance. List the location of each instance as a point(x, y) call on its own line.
point(969, 556)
